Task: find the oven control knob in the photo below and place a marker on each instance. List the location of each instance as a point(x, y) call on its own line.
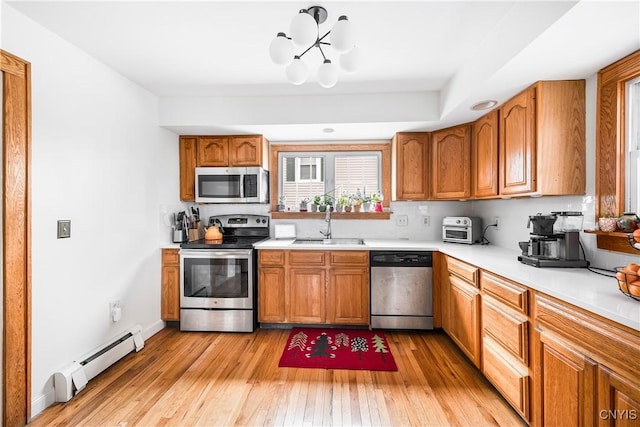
point(258, 220)
point(457, 221)
point(264, 221)
point(465, 222)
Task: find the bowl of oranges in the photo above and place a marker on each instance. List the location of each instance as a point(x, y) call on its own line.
point(629, 280)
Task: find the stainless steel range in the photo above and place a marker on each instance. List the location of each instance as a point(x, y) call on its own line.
point(218, 278)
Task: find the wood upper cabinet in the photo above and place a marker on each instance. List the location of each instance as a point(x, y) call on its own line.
point(484, 157)
point(517, 144)
point(188, 159)
point(410, 166)
point(542, 140)
point(170, 295)
point(218, 151)
point(213, 151)
point(248, 150)
point(451, 163)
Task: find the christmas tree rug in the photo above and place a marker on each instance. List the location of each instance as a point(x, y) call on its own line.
point(337, 349)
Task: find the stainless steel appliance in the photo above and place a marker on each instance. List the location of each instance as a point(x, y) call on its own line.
point(218, 278)
point(401, 290)
point(462, 229)
point(553, 245)
point(232, 185)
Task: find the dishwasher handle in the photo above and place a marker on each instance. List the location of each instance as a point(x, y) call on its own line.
point(401, 259)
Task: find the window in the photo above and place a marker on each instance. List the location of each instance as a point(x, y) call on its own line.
point(632, 114)
point(305, 175)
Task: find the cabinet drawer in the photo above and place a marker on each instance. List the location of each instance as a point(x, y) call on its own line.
point(170, 256)
point(511, 380)
point(360, 258)
point(463, 270)
point(506, 291)
point(306, 258)
point(271, 258)
point(507, 327)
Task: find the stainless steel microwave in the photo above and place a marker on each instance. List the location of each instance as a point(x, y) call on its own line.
point(232, 185)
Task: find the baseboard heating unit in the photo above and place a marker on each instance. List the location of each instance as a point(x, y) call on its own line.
point(75, 376)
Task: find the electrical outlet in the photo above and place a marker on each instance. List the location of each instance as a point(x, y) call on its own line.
point(426, 220)
point(402, 220)
point(496, 221)
point(115, 311)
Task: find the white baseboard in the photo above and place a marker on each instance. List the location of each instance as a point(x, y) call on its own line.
point(42, 402)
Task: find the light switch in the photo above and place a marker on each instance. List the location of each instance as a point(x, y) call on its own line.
point(64, 229)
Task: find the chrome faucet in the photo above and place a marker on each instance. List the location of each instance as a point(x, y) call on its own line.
point(327, 219)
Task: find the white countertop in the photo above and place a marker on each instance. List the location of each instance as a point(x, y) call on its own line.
point(578, 286)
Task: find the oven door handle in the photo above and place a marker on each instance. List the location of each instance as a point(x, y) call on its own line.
point(215, 253)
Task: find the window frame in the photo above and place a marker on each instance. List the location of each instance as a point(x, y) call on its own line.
point(385, 171)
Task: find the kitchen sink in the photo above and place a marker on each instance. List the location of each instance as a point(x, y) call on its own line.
point(328, 242)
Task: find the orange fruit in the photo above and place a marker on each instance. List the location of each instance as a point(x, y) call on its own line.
point(636, 235)
point(630, 275)
point(634, 288)
point(633, 267)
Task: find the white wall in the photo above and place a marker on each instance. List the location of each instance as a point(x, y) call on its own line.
point(100, 160)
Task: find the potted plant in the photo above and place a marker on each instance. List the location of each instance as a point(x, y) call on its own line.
point(317, 201)
point(303, 204)
point(328, 202)
point(342, 202)
point(376, 199)
point(281, 207)
point(357, 201)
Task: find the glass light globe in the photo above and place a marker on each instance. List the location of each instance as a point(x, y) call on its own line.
point(304, 30)
point(342, 35)
point(350, 61)
point(327, 74)
point(281, 50)
point(297, 71)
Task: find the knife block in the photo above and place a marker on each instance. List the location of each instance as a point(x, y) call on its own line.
point(196, 233)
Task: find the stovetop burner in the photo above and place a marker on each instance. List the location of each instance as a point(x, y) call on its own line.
point(238, 232)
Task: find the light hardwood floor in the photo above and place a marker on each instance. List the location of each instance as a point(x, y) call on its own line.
point(192, 378)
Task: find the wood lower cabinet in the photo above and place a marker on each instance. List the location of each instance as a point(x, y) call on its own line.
point(313, 287)
point(451, 163)
point(307, 295)
point(170, 295)
point(587, 368)
point(460, 299)
point(348, 296)
point(410, 166)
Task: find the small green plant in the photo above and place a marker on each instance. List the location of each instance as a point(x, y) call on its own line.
point(305, 200)
point(327, 200)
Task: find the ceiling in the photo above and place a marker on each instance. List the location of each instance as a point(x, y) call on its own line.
point(424, 62)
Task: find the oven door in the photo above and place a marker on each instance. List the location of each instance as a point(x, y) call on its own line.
point(456, 234)
point(216, 279)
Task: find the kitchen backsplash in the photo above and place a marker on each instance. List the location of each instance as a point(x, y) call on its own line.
point(513, 214)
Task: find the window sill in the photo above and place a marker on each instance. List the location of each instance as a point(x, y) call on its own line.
point(617, 241)
point(334, 215)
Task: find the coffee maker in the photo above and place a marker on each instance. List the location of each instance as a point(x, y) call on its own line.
point(554, 242)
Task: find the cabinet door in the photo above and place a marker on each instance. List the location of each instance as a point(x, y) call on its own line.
point(412, 166)
point(618, 399)
point(348, 296)
point(245, 150)
point(566, 379)
point(484, 157)
point(307, 288)
point(451, 163)
point(517, 144)
point(213, 151)
point(188, 157)
point(464, 307)
point(170, 295)
point(271, 295)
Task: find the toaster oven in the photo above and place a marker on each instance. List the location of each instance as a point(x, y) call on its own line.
point(462, 229)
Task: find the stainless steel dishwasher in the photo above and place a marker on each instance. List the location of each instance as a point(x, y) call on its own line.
point(401, 289)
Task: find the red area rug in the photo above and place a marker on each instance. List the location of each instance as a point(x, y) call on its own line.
point(337, 349)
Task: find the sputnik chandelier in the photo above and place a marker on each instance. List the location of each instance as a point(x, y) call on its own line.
point(305, 34)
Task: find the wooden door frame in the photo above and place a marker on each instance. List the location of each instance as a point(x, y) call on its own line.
point(16, 211)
